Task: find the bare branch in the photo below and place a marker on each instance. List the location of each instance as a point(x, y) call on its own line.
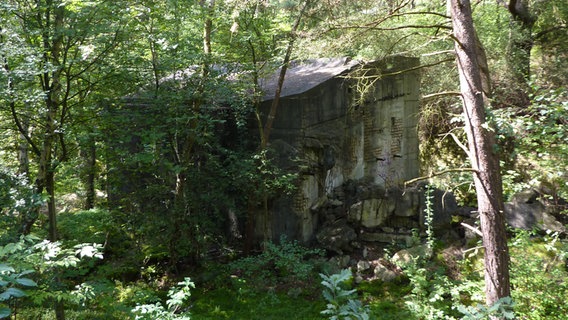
point(549, 30)
point(382, 75)
point(459, 143)
point(441, 94)
point(265, 133)
point(409, 26)
point(472, 228)
point(435, 174)
point(439, 52)
point(456, 140)
point(473, 249)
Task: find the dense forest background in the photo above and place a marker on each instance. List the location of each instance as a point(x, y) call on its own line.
point(127, 165)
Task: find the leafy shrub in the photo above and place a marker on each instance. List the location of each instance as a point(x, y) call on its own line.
point(430, 291)
point(19, 203)
point(538, 274)
point(93, 225)
point(502, 309)
point(51, 264)
point(285, 262)
point(541, 142)
point(342, 302)
point(10, 280)
point(177, 297)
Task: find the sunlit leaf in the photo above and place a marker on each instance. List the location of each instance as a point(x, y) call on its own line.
point(4, 312)
point(12, 293)
point(6, 268)
point(26, 282)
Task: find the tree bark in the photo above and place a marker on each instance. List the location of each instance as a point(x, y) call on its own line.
point(265, 134)
point(88, 154)
point(23, 152)
point(481, 142)
point(521, 41)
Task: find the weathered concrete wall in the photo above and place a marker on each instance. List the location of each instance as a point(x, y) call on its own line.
point(338, 137)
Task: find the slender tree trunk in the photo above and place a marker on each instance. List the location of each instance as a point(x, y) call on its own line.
point(265, 133)
point(23, 152)
point(53, 47)
point(184, 149)
point(267, 128)
point(88, 153)
point(481, 144)
point(520, 40)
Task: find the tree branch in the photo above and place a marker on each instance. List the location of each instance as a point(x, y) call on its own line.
point(549, 30)
point(472, 228)
point(457, 141)
point(439, 173)
point(439, 52)
point(275, 102)
point(398, 72)
point(409, 26)
point(441, 94)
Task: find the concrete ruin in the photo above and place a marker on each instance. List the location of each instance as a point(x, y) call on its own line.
point(340, 133)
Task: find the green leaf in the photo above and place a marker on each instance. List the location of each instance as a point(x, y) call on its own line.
point(4, 312)
point(12, 292)
point(23, 273)
point(89, 251)
point(6, 268)
point(26, 282)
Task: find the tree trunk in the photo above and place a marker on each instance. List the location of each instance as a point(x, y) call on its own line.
point(23, 152)
point(481, 142)
point(88, 153)
point(265, 133)
point(53, 47)
point(521, 40)
point(267, 128)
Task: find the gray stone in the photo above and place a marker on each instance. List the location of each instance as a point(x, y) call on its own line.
point(386, 237)
point(383, 273)
point(334, 141)
point(319, 203)
point(337, 237)
point(407, 204)
point(549, 222)
point(444, 205)
point(525, 211)
point(387, 229)
point(336, 203)
point(406, 256)
point(365, 252)
point(363, 265)
point(341, 261)
point(371, 213)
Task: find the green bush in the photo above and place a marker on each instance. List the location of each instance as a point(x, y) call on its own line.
point(540, 133)
point(538, 276)
point(19, 203)
point(93, 225)
point(177, 297)
point(342, 302)
point(286, 262)
point(51, 265)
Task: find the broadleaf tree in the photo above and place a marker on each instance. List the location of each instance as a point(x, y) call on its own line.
point(50, 50)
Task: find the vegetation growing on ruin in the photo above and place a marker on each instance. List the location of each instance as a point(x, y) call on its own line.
point(128, 174)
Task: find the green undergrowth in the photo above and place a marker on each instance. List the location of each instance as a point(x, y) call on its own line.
point(285, 283)
point(225, 303)
point(384, 298)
